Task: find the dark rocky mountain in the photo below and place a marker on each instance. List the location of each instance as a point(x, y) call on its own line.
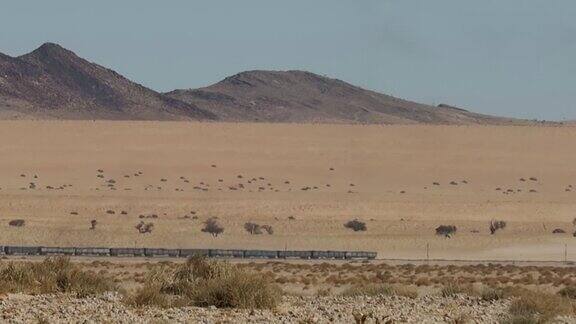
point(298, 96)
point(53, 82)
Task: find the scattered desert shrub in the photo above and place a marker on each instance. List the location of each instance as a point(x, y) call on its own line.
point(147, 296)
point(256, 229)
point(496, 225)
point(537, 307)
point(356, 225)
point(202, 282)
point(252, 228)
point(558, 231)
point(144, 227)
point(93, 224)
point(17, 222)
point(446, 230)
point(268, 229)
point(379, 290)
point(451, 290)
point(491, 294)
point(568, 292)
point(53, 275)
point(213, 227)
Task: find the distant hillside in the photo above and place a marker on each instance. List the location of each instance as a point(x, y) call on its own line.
point(298, 96)
point(52, 82)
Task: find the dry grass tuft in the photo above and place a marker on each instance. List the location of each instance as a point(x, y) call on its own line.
point(53, 275)
point(380, 290)
point(202, 282)
point(536, 307)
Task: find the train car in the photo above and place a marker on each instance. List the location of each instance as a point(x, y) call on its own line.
point(127, 251)
point(294, 254)
point(49, 250)
point(22, 250)
point(371, 255)
point(361, 255)
point(261, 254)
point(328, 255)
point(92, 251)
point(2, 250)
point(161, 252)
point(217, 253)
point(188, 253)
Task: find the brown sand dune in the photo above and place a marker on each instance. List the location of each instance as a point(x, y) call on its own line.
point(282, 171)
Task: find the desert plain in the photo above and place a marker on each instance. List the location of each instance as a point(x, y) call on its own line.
point(304, 180)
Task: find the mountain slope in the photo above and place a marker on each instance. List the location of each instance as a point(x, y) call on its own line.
point(298, 96)
point(52, 82)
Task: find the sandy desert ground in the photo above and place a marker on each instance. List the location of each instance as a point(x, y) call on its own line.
point(304, 180)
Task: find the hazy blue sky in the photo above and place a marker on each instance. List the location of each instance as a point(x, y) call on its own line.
point(512, 58)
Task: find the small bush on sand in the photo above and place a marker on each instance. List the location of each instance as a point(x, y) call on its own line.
point(491, 294)
point(568, 292)
point(496, 225)
point(256, 229)
point(202, 282)
point(253, 228)
point(268, 229)
point(451, 290)
point(17, 222)
point(213, 227)
point(356, 225)
point(144, 227)
point(446, 230)
point(53, 275)
point(148, 296)
point(379, 290)
point(536, 307)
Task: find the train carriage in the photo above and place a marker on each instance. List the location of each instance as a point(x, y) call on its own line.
point(92, 251)
point(360, 255)
point(217, 253)
point(22, 250)
point(49, 250)
point(261, 254)
point(187, 253)
point(161, 252)
point(328, 255)
point(127, 251)
point(294, 254)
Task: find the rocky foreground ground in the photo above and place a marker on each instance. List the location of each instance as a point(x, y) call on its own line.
point(108, 308)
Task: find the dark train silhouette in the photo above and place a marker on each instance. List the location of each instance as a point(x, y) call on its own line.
point(185, 253)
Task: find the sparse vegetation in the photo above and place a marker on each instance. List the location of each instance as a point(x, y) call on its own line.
point(379, 290)
point(568, 292)
point(17, 222)
point(453, 289)
point(53, 275)
point(202, 282)
point(213, 227)
point(144, 227)
point(537, 307)
point(496, 225)
point(446, 230)
point(356, 225)
point(256, 229)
